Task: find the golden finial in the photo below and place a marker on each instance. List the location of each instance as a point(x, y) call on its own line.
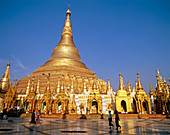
point(108, 81)
point(138, 75)
point(128, 86)
point(8, 63)
point(151, 88)
point(121, 84)
point(164, 80)
point(157, 71)
point(139, 83)
point(68, 11)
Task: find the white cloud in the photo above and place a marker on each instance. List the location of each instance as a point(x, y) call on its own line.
point(17, 62)
point(21, 65)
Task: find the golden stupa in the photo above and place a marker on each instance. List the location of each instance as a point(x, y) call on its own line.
point(65, 62)
point(63, 84)
point(123, 99)
point(5, 80)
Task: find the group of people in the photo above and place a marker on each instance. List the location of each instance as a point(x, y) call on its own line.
point(11, 112)
point(116, 120)
point(37, 120)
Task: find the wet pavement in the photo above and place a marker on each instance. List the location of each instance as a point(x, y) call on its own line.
point(19, 126)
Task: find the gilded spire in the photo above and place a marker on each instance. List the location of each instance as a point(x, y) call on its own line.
point(66, 46)
point(58, 85)
point(136, 85)
point(158, 77)
point(157, 71)
point(159, 88)
point(121, 84)
point(72, 86)
point(5, 80)
point(6, 74)
point(109, 86)
point(94, 84)
point(67, 30)
point(66, 53)
point(84, 85)
point(151, 92)
point(28, 87)
point(151, 88)
point(164, 80)
point(139, 85)
point(32, 85)
point(38, 87)
point(62, 84)
point(134, 90)
point(128, 87)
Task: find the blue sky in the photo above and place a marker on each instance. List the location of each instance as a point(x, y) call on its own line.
point(113, 36)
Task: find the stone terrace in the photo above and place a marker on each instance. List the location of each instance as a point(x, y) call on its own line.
point(18, 126)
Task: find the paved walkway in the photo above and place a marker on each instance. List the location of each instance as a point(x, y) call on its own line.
point(18, 126)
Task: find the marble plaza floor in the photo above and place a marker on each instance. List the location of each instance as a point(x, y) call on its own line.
point(18, 126)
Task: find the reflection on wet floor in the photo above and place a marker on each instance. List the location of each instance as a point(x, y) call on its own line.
point(84, 127)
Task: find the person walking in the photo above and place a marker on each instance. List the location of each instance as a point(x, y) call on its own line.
point(110, 120)
point(117, 120)
point(38, 117)
point(33, 118)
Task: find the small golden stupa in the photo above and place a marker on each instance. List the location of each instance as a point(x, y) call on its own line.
point(5, 80)
point(123, 99)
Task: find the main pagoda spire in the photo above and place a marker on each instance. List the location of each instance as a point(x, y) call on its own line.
point(67, 35)
point(66, 53)
point(66, 47)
